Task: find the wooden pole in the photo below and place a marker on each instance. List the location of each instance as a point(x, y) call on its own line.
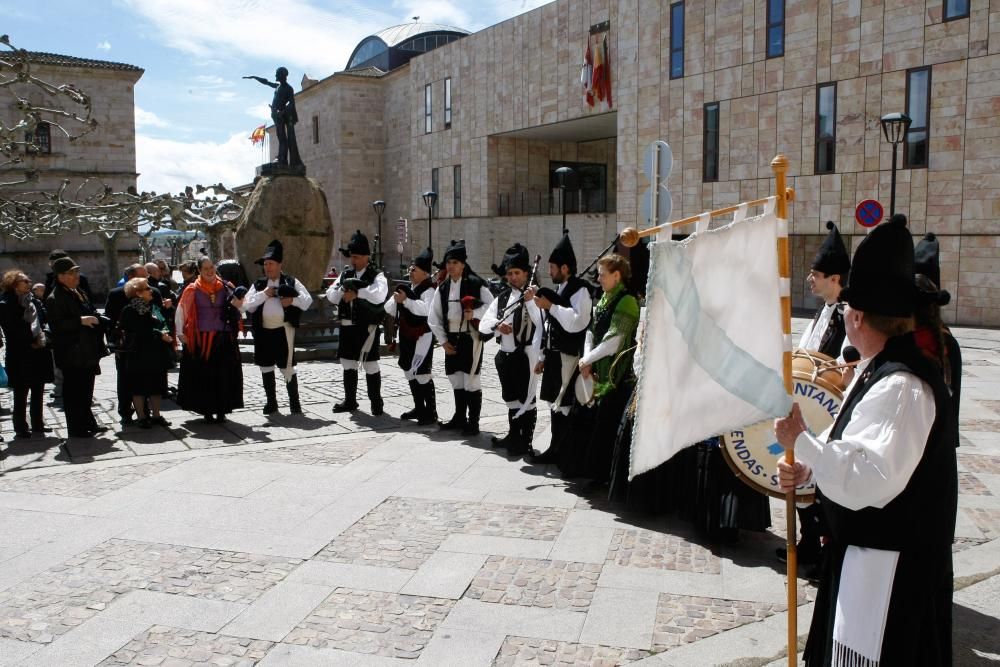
point(779, 165)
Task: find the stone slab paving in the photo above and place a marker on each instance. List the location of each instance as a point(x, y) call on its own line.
point(518, 651)
point(530, 582)
point(682, 619)
point(640, 548)
point(174, 647)
point(86, 482)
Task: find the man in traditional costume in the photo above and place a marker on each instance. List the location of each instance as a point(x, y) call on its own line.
point(886, 476)
point(276, 303)
point(410, 306)
point(359, 295)
point(566, 316)
point(517, 322)
point(459, 304)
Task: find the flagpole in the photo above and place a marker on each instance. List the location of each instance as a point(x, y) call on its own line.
point(779, 165)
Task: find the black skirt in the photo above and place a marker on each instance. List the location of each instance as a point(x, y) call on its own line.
point(213, 385)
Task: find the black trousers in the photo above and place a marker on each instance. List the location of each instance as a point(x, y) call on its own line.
point(78, 397)
point(122, 388)
point(21, 406)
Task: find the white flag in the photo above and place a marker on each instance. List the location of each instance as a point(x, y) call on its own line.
point(713, 339)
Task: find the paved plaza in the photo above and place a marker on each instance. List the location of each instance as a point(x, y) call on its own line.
point(322, 539)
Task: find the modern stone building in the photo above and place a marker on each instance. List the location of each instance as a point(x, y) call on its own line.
point(105, 156)
point(486, 119)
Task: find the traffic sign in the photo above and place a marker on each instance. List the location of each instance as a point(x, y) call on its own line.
point(869, 213)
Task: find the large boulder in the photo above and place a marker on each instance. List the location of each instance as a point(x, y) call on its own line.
point(293, 210)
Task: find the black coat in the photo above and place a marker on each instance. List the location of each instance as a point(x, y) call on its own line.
point(113, 308)
point(26, 364)
point(50, 284)
point(142, 340)
point(75, 345)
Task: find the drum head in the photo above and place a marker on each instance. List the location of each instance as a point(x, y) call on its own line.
point(753, 451)
point(584, 389)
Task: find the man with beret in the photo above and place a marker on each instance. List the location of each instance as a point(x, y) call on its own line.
point(410, 305)
point(459, 304)
point(886, 475)
point(517, 322)
point(276, 303)
point(359, 295)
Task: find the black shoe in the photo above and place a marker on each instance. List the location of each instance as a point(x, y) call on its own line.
point(159, 420)
point(270, 408)
point(270, 391)
point(127, 421)
point(99, 429)
point(502, 443)
point(427, 418)
point(221, 419)
point(548, 456)
point(378, 409)
point(41, 429)
point(146, 422)
point(345, 407)
point(22, 435)
point(410, 414)
point(470, 429)
point(208, 419)
point(80, 434)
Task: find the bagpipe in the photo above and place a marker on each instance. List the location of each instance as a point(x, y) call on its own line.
point(511, 308)
point(365, 312)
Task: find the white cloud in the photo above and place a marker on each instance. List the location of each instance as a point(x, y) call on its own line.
point(212, 81)
point(261, 112)
point(104, 46)
point(166, 165)
point(145, 118)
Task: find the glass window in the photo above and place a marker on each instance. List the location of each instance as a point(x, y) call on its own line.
point(826, 128)
point(711, 143)
point(457, 210)
point(956, 9)
point(918, 108)
point(677, 40)
point(436, 187)
point(428, 120)
point(39, 141)
point(315, 129)
point(775, 28)
point(447, 103)
point(371, 48)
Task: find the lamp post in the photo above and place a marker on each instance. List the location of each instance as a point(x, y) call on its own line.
point(894, 126)
point(563, 173)
point(430, 198)
point(379, 207)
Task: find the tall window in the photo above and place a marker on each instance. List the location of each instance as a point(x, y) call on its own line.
point(457, 209)
point(826, 128)
point(775, 28)
point(436, 187)
point(710, 159)
point(315, 128)
point(677, 40)
point(447, 103)
point(39, 141)
point(428, 123)
point(918, 108)
point(955, 9)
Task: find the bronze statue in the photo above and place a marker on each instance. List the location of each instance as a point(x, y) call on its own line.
point(284, 117)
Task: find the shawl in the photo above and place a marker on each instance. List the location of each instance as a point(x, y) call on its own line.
point(199, 343)
point(624, 321)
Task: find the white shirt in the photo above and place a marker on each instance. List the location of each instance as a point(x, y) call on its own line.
point(273, 310)
point(812, 337)
point(880, 447)
point(508, 342)
point(436, 320)
point(420, 307)
point(576, 317)
point(375, 293)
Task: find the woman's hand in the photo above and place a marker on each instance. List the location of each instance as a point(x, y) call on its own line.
point(167, 338)
point(585, 370)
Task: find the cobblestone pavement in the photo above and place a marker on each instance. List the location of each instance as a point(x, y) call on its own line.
point(322, 539)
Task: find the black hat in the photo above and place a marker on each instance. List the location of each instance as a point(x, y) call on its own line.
point(358, 245)
point(832, 256)
point(516, 257)
point(57, 253)
point(424, 260)
point(881, 277)
point(563, 253)
point(456, 250)
point(63, 265)
point(274, 251)
point(927, 258)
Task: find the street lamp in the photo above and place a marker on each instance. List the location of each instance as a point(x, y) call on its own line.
point(430, 198)
point(379, 207)
point(894, 126)
point(563, 173)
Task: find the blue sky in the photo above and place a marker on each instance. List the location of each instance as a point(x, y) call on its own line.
point(194, 113)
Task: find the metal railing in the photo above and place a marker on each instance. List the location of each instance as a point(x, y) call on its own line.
point(549, 202)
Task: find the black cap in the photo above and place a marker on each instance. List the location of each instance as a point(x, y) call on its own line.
point(63, 265)
point(456, 250)
point(832, 256)
point(881, 277)
point(358, 245)
point(563, 253)
point(516, 257)
point(57, 253)
point(424, 260)
point(274, 251)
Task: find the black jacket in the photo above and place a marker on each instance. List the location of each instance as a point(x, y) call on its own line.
point(75, 345)
point(26, 365)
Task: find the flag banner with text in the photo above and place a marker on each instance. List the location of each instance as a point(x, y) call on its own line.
point(712, 343)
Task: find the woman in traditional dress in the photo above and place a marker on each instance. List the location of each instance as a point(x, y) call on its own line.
point(147, 349)
point(28, 361)
point(208, 322)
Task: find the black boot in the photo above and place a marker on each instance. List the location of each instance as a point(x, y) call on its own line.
point(270, 390)
point(417, 402)
point(293, 395)
point(430, 413)
point(374, 382)
point(350, 402)
point(458, 422)
point(507, 440)
point(525, 428)
point(475, 407)
point(551, 454)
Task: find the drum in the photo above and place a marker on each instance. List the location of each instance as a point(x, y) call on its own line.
point(818, 365)
point(753, 452)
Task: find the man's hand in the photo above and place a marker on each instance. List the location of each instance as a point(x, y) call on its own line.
point(792, 476)
point(286, 301)
point(399, 296)
point(468, 315)
point(530, 293)
point(166, 338)
point(449, 348)
point(350, 295)
point(539, 367)
point(542, 302)
point(270, 292)
point(237, 303)
point(505, 329)
point(88, 321)
point(787, 429)
point(585, 370)
point(168, 303)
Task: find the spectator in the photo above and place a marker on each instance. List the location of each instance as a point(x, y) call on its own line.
point(117, 300)
point(146, 350)
point(50, 277)
point(29, 364)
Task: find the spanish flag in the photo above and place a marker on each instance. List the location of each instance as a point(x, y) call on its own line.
point(257, 135)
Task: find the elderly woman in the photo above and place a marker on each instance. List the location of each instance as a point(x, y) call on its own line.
point(147, 351)
point(29, 362)
point(207, 323)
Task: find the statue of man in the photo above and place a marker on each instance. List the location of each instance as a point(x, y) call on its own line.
point(284, 117)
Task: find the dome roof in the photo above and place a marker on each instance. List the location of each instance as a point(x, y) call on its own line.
point(398, 34)
point(393, 47)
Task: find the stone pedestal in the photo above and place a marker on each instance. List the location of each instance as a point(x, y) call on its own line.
point(292, 209)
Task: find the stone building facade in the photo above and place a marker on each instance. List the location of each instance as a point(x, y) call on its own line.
point(105, 156)
point(757, 66)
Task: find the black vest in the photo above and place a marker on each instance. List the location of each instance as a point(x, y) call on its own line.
point(557, 338)
point(833, 338)
point(471, 285)
point(516, 320)
point(360, 311)
point(924, 512)
point(413, 326)
point(293, 314)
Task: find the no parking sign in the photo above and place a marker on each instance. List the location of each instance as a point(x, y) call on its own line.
point(869, 213)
